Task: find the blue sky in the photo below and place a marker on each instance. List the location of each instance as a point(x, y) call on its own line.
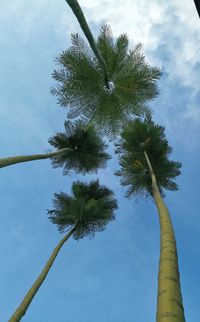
point(114, 276)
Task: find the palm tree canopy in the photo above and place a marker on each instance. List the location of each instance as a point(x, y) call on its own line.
point(86, 149)
point(139, 136)
point(81, 85)
point(90, 209)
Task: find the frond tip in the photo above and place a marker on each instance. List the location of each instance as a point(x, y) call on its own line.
point(90, 208)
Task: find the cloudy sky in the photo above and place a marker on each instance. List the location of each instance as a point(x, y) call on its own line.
point(114, 276)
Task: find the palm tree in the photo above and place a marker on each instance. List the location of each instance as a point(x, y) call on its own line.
point(79, 148)
point(81, 87)
point(146, 170)
point(88, 211)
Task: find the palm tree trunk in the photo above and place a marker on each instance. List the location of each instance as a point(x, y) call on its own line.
point(22, 308)
point(197, 4)
point(4, 162)
point(169, 299)
point(74, 5)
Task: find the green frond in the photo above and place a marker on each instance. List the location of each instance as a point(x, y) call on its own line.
point(86, 149)
point(77, 42)
point(106, 34)
point(90, 208)
point(105, 45)
point(121, 49)
point(81, 47)
point(135, 138)
point(81, 81)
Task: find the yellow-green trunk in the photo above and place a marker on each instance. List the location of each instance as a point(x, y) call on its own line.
point(4, 162)
point(22, 308)
point(169, 299)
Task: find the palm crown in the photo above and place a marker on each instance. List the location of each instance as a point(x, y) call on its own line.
point(137, 137)
point(81, 83)
point(85, 149)
point(89, 209)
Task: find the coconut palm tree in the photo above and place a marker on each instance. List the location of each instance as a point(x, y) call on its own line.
point(81, 83)
point(146, 170)
point(89, 209)
point(79, 148)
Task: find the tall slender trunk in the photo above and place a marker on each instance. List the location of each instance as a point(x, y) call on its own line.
point(74, 5)
point(197, 4)
point(169, 299)
point(22, 308)
point(4, 162)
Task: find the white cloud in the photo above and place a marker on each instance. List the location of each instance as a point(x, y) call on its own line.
point(174, 24)
point(193, 113)
point(169, 31)
point(24, 17)
point(170, 34)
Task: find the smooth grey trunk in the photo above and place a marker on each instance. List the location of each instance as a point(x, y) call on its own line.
point(169, 298)
point(74, 5)
point(22, 308)
point(4, 162)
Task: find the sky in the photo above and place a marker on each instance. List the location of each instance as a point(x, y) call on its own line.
point(112, 277)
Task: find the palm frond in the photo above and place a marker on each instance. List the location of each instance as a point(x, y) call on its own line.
point(81, 81)
point(90, 208)
point(136, 137)
point(85, 149)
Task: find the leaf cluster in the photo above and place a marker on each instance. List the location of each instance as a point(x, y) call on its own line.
point(86, 149)
point(139, 136)
point(89, 209)
point(81, 84)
